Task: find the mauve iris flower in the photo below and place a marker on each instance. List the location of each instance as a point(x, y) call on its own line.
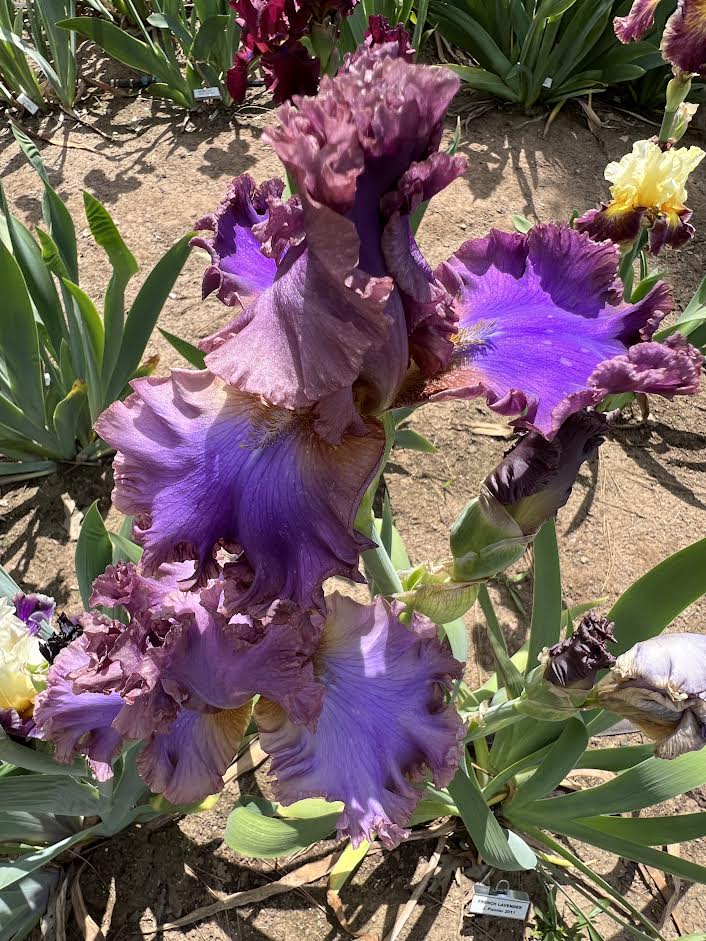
point(648, 190)
point(181, 676)
point(273, 452)
point(383, 725)
point(660, 685)
point(544, 330)
point(684, 38)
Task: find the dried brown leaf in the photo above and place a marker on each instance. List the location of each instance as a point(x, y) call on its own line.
point(86, 925)
point(310, 872)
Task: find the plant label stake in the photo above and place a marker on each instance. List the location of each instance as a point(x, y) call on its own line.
point(502, 901)
point(206, 94)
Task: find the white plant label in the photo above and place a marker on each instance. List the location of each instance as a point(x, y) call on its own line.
point(202, 94)
point(27, 103)
point(500, 903)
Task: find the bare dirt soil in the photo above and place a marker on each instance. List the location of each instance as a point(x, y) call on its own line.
point(642, 500)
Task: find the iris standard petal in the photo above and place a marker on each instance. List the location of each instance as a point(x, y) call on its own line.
point(384, 721)
point(200, 462)
point(238, 270)
point(684, 38)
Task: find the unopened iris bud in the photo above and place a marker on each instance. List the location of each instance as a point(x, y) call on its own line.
point(660, 686)
point(528, 487)
point(684, 116)
point(561, 685)
point(575, 662)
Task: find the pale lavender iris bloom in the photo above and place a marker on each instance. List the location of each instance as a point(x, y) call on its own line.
point(660, 686)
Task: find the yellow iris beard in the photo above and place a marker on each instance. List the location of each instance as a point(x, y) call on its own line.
point(648, 178)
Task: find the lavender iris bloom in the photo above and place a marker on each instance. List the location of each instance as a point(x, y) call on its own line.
point(544, 330)
point(660, 685)
point(33, 609)
point(182, 675)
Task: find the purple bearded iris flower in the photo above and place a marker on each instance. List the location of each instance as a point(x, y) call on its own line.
point(660, 685)
point(350, 283)
point(384, 723)
point(180, 676)
point(272, 453)
point(33, 609)
point(544, 331)
point(684, 38)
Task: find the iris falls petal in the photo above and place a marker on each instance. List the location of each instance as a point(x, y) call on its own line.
point(383, 725)
point(543, 330)
point(200, 463)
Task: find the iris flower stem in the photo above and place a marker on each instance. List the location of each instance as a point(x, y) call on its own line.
point(677, 90)
point(379, 569)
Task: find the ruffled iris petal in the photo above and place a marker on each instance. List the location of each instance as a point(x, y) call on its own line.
point(542, 329)
point(684, 37)
point(317, 322)
point(78, 724)
point(188, 762)
point(238, 270)
point(199, 462)
point(384, 722)
point(209, 662)
point(637, 22)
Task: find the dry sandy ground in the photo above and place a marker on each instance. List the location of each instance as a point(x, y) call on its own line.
point(643, 500)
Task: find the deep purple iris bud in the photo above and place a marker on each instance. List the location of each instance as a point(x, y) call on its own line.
point(385, 704)
point(528, 487)
point(33, 609)
point(237, 74)
point(290, 70)
point(535, 478)
point(574, 663)
point(544, 331)
point(660, 686)
point(66, 630)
